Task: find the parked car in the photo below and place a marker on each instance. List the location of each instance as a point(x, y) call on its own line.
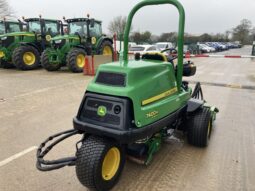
point(213, 45)
point(142, 49)
point(222, 46)
point(205, 49)
point(164, 45)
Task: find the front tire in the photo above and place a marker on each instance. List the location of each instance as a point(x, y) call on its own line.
point(26, 58)
point(76, 60)
point(46, 63)
point(99, 163)
point(200, 127)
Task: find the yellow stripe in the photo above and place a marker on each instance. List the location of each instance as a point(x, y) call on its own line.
point(21, 35)
point(160, 96)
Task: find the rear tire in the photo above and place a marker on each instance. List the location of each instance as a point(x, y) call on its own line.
point(26, 58)
point(99, 163)
point(6, 65)
point(46, 63)
point(106, 48)
point(199, 127)
point(76, 60)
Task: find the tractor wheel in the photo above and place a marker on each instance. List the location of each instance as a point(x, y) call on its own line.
point(26, 58)
point(106, 48)
point(76, 60)
point(199, 127)
point(6, 65)
point(46, 63)
point(99, 163)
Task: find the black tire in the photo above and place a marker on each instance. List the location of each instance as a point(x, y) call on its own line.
point(71, 60)
point(89, 163)
point(18, 61)
point(46, 63)
point(102, 47)
point(6, 65)
point(199, 127)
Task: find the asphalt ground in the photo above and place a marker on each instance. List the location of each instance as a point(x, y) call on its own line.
point(37, 104)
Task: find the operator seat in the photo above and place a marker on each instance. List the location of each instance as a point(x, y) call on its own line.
point(154, 56)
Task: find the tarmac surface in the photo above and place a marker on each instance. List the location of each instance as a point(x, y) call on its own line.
point(37, 104)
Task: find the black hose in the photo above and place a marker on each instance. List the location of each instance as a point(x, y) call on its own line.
point(47, 165)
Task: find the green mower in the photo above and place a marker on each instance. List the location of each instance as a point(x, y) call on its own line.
point(128, 110)
point(84, 37)
point(23, 49)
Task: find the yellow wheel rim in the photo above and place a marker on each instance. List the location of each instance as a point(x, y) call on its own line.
point(2, 54)
point(107, 50)
point(29, 58)
point(80, 60)
point(111, 163)
point(209, 129)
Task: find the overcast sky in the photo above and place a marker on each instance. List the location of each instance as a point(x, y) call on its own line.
point(202, 16)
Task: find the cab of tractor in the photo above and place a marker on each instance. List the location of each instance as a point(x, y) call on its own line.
point(84, 37)
point(10, 26)
point(130, 108)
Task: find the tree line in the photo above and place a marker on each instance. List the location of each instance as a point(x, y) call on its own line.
point(243, 32)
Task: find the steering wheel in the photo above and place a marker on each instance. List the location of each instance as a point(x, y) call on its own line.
point(170, 58)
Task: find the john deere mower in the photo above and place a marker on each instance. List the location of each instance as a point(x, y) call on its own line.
point(23, 49)
point(128, 110)
point(84, 38)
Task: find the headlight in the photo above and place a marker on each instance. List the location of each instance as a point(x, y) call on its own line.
point(4, 38)
point(58, 41)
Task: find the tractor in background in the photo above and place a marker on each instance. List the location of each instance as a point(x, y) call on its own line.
point(84, 37)
point(23, 49)
point(9, 27)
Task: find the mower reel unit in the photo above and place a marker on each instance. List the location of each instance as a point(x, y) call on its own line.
point(129, 108)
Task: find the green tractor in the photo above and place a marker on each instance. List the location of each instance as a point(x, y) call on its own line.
point(8, 27)
point(84, 37)
point(23, 49)
point(129, 108)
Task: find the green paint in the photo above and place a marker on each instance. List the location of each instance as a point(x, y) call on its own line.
point(180, 32)
point(154, 145)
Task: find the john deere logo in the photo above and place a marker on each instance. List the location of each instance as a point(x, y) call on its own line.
point(93, 40)
point(48, 37)
point(101, 111)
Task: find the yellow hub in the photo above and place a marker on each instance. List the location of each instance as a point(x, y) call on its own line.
point(209, 129)
point(111, 163)
point(29, 58)
point(107, 50)
point(80, 60)
point(2, 54)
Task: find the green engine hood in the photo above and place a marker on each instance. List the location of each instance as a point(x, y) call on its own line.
point(64, 37)
point(151, 85)
point(18, 34)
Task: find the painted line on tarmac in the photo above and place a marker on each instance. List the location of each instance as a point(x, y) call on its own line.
point(18, 155)
point(235, 86)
